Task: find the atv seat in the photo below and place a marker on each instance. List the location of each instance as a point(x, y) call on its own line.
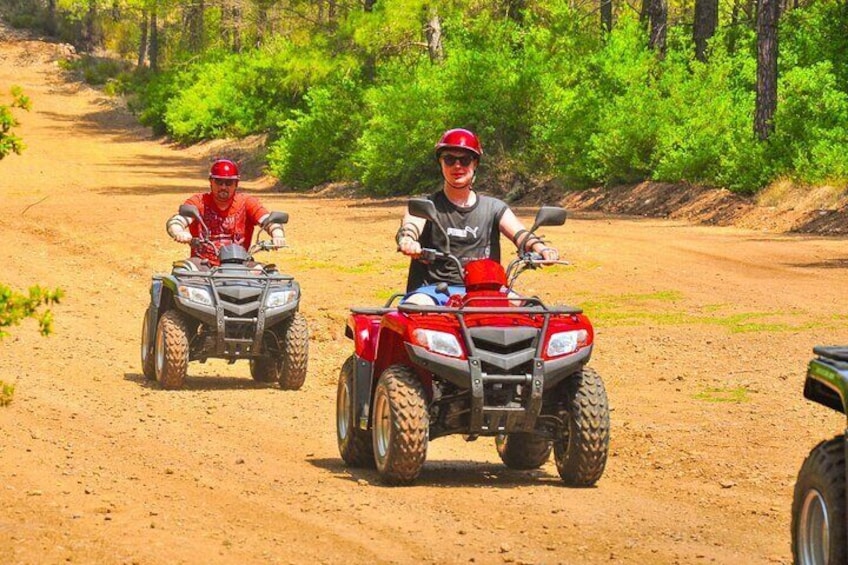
point(835, 352)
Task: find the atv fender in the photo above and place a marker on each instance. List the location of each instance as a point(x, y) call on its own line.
point(362, 391)
point(363, 328)
point(162, 289)
point(827, 378)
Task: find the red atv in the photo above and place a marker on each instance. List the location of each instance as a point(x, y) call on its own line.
point(489, 363)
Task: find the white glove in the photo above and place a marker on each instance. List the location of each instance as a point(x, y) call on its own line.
point(409, 246)
point(183, 236)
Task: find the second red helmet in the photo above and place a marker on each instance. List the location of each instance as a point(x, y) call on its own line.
point(224, 169)
point(460, 138)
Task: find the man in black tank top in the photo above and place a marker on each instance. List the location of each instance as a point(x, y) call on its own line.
point(473, 223)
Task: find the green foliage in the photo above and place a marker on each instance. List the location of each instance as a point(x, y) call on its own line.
point(811, 125)
point(153, 95)
point(480, 85)
point(9, 142)
point(15, 306)
point(353, 95)
point(7, 393)
point(315, 143)
point(96, 71)
point(232, 95)
point(735, 395)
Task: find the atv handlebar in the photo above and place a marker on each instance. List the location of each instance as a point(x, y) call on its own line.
point(525, 261)
point(428, 255)
point(266, 245)
point(528, 260)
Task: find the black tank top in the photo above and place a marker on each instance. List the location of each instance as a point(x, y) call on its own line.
point(473, 233)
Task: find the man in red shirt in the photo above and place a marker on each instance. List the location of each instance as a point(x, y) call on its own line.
point(230, 216)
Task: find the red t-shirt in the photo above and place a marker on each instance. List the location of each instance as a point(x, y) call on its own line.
point(233, 225)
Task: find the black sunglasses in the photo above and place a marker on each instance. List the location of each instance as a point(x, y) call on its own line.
point(225, 182)
point(464, 160)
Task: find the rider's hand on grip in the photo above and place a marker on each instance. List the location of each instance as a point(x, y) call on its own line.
point(409, 246)
point(427, 255)
point(183, 237)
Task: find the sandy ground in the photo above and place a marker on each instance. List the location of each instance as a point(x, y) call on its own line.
point(703, 334)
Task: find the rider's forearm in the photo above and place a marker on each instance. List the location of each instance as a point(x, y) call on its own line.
point(406, 232)
point(176, 225)
point(275, 230)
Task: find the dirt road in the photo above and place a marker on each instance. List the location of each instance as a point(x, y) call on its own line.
point(702, 339)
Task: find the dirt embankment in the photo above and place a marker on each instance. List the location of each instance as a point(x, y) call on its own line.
point(779, 208)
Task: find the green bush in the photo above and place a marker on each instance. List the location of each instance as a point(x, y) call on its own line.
point(394, 153)
point(481, 85)
point(705, 134)
point(548, 94)
point(9, 141)
point(811, 125)
point(315, 144)
point(96, 71)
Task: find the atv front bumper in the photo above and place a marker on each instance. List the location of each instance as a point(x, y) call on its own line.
point(468, 374)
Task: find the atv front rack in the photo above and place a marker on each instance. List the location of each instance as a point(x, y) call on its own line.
point(530, 305)
point(236, 335)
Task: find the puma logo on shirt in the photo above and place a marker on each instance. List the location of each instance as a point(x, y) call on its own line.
point(463, 233)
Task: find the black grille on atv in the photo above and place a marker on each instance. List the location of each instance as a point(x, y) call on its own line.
point(505, 351)
point(240, 300)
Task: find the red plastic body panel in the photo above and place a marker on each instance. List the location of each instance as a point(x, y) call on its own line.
point(365, 329)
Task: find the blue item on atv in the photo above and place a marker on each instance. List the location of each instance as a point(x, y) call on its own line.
point(439, 293)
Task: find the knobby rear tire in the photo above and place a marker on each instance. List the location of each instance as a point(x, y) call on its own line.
point(295, 354)
point(148, 358)
point(523, 451)
point(264, 369)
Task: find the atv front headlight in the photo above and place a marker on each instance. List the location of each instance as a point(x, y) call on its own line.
point(563, 343)
point(199, 295)
point(438, 342)
point(280, 298)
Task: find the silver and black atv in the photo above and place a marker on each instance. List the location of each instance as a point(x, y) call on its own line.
point(238, 309)
point(819, 528)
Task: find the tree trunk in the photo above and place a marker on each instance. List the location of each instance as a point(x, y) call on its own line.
point(89, 30)
point(369, 66)
point(50, 26)
point(704, 26)
point(659, 27)
point(142, 43)
point(766, 105)
point(515, 10)
point(237, 24)
point(645, 12)
point(606, 16)
point(433, 33)
point(193, 16)
point(153, 49)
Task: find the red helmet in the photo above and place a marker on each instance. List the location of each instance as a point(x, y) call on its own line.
point(459, 139)
point(224, 169)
